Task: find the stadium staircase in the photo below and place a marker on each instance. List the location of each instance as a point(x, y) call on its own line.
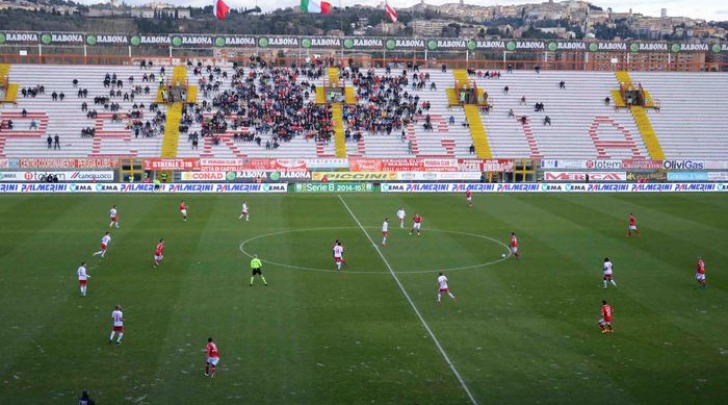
point(649, 136)
point(11, 92)
point(349, 95)
point(339, 139)
point(320, 95)
point(472, 115)
point(477, 130)
point(170, 143)
point(333, 75)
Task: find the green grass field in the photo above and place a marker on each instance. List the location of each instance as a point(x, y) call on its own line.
point(522, 331)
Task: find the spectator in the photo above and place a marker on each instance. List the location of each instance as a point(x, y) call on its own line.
point(24, 113)
point(61, 96)
point(57, 142)
point(537, 68)
point(523, 100)
point(75, 83)
point(505, 90)
point(562, 85)
point(85, 399)
point(451, 120)
point(10, 124)
point(50, 141)
point(509, 68)
point(444, 68)
point(524, 120)
point(54, 96)
point(33, 125)
point(547, 120)
point(472, 149)
point(607, 100)
point(511, 114)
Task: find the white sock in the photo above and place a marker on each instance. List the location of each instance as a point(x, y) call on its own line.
point(451, 296)
point(112, 335)
point(103, 253)
point(439, 296)
point(97, 253)
point(240, 217)
point(338, 265)
point(605, 283)
point(384, 240)
point(614, 283)
point(121, 335)
point(111, 224)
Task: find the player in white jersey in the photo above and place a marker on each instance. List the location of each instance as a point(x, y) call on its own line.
point(105, 240)
point(607, 273)
point(82, 278)
point(385, 231)
point(244, 213)
point(117, 318)
point(113, 217)
point(443, 288)
point(338, 255)
point(401, 215)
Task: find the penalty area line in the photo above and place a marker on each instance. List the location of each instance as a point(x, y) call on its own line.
point(413, 305)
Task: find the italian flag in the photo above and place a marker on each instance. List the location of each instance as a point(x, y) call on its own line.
point(313, 6)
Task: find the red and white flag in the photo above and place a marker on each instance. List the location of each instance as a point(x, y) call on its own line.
point(220, 9)
point(391, 12)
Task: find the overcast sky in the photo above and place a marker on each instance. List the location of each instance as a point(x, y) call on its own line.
point(706, 9)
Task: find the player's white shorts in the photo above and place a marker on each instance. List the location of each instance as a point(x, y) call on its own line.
point(514, 249)
point(158, 258)
point(470, 199)
point(633, 227)
point(213, 361)
point(416, 226)
point(183, 212)
point(700, 276)
point(604, 322)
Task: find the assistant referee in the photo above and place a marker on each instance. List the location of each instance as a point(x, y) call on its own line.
point(257, 266)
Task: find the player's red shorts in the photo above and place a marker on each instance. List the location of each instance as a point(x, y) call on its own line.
point(113, 219)
point(607, 276)
point(337, 259)
point(118, 329)
point(385, 233)
point(103, 247)
point(82, 282)
point(444, 290)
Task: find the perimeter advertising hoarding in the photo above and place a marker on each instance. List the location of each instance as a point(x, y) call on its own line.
point(581, 176)
point(353, 176)
point(75, 176)
point(334, 187)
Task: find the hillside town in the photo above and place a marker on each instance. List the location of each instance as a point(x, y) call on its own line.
point(547, 20)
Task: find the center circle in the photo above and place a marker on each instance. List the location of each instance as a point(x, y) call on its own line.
point(245, 248)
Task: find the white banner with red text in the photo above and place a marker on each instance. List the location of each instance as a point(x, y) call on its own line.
point(582, 176)
point(75, 176)
point(632, 164)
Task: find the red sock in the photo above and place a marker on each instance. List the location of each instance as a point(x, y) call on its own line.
point(207, 369)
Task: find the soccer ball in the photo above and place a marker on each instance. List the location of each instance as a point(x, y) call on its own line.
point(503, 255)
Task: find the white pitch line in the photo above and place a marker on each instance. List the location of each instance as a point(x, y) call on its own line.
point(414, 306)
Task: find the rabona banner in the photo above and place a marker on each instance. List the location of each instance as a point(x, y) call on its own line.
point(554, 188)
point(65, 176)
point(141, 188)
point(353, 43)
point(582, 176)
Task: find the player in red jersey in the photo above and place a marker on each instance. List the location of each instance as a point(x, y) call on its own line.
point(469, 198)
point(605, 322)
point(159, 253)
point(213, 357)
point(514, 245)
point(113, 216)
point(632, 226)
point(183, 210)
point(700, 272)
point(416, 224)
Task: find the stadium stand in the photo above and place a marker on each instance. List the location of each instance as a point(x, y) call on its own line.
point(414, 117)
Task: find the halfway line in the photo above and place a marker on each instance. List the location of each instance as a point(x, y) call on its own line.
point(414, 307)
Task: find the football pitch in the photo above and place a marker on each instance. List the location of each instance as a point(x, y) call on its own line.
point(521, 331)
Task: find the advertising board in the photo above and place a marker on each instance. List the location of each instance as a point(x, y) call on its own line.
point(354, 176)
point(40, 176)
point(333, 187)
point(581, 176)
